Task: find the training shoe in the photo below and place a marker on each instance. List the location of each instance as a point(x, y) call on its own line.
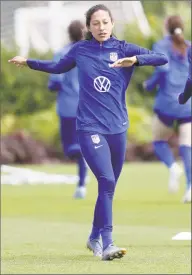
point(187, 196)
point(113, 252)
point(80, 192)
point(95, 246)
point(174, 178)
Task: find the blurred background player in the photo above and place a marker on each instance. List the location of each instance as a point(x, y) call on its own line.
point(184, 97)
point(67, 87)
point(171, 79)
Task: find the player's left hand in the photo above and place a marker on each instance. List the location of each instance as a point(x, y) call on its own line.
point(124, 62)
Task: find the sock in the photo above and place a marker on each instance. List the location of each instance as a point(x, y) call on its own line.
point(103, 210)
point(185, 153)
point(82, 171)
point(106, 238)
point(164, 153)
point(104, 204)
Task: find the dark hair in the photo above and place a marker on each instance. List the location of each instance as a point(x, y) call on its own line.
point(75, 30)
point(174, 22)
point(90, 12)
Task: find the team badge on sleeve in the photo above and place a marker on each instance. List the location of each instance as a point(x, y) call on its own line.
point(113, 56)
point(95, 139)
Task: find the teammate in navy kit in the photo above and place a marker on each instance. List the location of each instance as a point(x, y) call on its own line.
point(105, 65)
point(171, 80)
point(67, 87)
point(184, 97)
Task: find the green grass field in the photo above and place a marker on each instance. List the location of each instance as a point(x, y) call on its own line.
point(44, 230)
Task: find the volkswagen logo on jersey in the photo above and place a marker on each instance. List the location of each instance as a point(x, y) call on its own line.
point(113, 57)
point(102, 84)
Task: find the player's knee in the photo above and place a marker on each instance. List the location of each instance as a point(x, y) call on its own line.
point(107, 185)
point(185, 134)
point(74, 152)
point(160, 136)
point(74, 155)
point(160, 131)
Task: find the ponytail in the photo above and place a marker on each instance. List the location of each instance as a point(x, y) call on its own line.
point(88, 35)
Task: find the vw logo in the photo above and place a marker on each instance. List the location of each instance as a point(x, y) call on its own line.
point(102, 84)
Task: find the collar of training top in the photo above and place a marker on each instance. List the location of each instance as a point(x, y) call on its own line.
point(106, 42)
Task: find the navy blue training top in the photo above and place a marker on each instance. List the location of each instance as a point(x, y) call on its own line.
point(102, 104)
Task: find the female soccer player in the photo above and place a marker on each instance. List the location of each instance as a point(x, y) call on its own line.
point(105, 65)
point(171, 80)
point(67, 87)
point(183, 97)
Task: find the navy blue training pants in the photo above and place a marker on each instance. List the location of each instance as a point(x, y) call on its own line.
point(69, 139)
point(105, 155)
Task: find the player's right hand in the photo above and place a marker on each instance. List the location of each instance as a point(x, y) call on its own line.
point(124, 62)
point(19, 61)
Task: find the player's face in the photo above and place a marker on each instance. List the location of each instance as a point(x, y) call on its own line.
point(101, 25)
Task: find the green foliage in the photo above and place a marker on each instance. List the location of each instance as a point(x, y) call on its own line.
point(23, 91)
point(42, 125)
point(136, 95)
point(151, 7)
point(140, 125)
point(158, 11)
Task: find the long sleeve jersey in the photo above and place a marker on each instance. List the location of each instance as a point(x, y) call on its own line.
point(170, 81)
point(102, 104)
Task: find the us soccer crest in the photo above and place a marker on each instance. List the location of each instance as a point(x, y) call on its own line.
point(95, 139)
point(113, 56)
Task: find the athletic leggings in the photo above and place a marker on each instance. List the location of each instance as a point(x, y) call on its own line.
point(105, 155)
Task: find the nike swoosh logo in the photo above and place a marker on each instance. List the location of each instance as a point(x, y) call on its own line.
point(98, 146)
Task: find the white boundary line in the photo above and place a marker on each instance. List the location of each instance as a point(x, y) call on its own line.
point(182, 236)
point(16, 176)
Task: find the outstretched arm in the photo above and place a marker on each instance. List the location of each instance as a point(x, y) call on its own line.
point(152, 82)
point(146, 57)
point(139, 56)
point(64, 64)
